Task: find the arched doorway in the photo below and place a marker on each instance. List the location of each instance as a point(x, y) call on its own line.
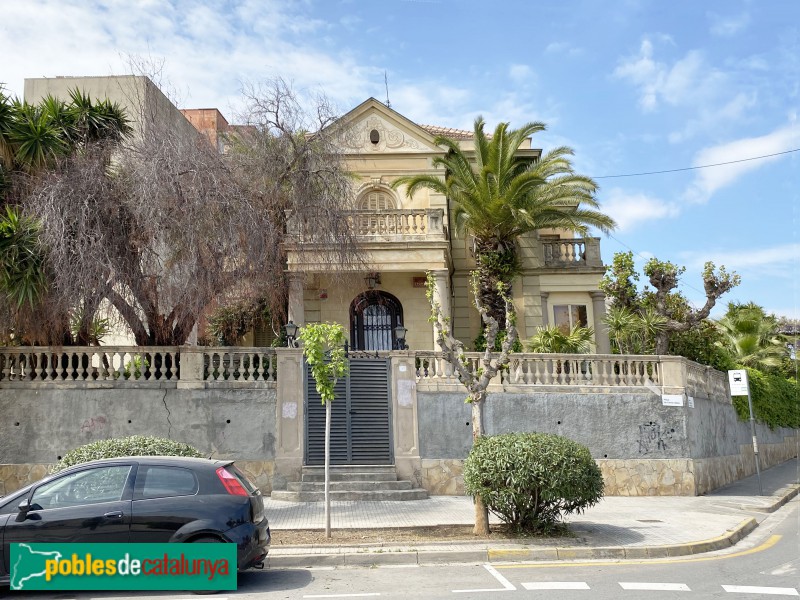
point(373, 316)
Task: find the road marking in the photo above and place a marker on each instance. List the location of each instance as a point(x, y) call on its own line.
point(507, 585)
point(654, 561)
point(342, 595)
point(656, 587)
point(556, 585)
point(753, 589)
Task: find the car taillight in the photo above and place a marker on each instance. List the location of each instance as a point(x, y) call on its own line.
point(232, 485)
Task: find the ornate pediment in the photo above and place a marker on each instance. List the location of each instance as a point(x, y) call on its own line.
point(375, 132)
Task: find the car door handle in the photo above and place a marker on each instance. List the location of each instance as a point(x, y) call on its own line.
point(114, 514)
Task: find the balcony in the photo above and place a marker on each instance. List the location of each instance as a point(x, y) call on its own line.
point(414, 225)
point(572, 253)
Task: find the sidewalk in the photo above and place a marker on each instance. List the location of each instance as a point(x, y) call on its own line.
point(618, 527)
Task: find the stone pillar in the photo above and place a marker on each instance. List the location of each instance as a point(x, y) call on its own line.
point(290, 418)
point(545, 309)
point(441, 294)
point(192, 367)
point(600, 328)
point(296, 302)
point(404, 416)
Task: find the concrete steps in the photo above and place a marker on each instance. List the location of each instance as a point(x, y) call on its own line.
point(350, 483)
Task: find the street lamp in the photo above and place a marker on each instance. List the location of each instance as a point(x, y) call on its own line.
point(400, 335)
point(291, 334)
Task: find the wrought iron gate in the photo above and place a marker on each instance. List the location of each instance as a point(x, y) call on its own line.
point(361, 420)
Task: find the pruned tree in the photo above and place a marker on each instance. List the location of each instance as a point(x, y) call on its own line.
point(170, 225)
point(476, 375)
point(664, 276)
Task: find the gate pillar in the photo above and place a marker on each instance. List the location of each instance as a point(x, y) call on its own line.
point(289, 418)
point(404, 408)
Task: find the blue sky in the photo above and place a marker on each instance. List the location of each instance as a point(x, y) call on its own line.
point(633, 86)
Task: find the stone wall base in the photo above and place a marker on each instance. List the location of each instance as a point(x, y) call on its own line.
point(642, 477)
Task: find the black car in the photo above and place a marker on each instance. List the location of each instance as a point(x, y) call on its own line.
point(139, 499)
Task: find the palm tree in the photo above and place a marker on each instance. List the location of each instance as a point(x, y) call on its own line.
point(751, 336)
point(558, 340)
point(500, 195)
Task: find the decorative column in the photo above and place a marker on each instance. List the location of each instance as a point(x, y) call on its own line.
point(600, 328)
point(296, 303)
point(545, 309)
point(441, 294)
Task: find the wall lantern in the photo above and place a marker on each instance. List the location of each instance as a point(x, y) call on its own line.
point(291, 334)
point(372, 280)
point(400, 335)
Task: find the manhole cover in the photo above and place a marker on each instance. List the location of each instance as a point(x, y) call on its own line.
point(649, 521)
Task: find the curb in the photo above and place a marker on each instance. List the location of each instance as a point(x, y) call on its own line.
point(372, 556)
point(783, 496)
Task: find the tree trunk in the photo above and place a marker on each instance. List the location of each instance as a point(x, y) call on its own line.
point(327, 469)
point(662, 342)
point(481, 511)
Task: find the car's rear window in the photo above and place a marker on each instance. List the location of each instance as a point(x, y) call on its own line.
point(163, 482)
point(242, 478)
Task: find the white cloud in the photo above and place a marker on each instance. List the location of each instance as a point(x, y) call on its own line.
point(727, 26)
point(687, 82)
point(562, 49)
point(630, 209)
point(775, 261)
point(520, 73)
point(735, 109)
point(710, 180)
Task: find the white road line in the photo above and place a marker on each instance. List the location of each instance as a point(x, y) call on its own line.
point(658, 587)
point(753, 589)
point(507, 585)
point(342, 595)
point(556, 585)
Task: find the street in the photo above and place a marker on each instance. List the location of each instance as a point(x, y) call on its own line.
point(767, 563)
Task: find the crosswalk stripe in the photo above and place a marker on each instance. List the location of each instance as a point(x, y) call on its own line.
point(659, 587)
point(556, 585)
point(753, 589)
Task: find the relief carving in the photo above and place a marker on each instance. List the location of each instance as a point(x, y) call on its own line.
point(390, 138)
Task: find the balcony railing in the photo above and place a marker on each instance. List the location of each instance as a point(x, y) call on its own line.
point(577, 252)
point(387, 225)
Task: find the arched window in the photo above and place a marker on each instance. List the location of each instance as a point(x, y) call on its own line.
point(373, 317)
point(376, 200)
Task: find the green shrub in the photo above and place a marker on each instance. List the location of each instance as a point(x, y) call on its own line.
point(136, 445)
point(530, 480)
point(776, 401)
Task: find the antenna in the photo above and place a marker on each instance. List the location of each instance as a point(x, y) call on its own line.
point(386, 83)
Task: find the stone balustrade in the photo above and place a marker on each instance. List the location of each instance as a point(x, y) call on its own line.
point(572, 253)
point(202, 367)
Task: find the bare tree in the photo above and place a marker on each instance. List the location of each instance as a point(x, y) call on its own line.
point(476, 375)
point(170, 225)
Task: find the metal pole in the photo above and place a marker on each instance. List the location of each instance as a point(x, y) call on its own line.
point(755, 441)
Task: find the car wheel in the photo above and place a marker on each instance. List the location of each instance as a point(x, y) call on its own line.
point(206, 540)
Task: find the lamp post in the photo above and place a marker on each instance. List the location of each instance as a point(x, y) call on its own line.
point(291, 334)
point(400, 335)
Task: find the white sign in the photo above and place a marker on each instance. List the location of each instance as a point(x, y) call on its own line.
point(672, 399)
point(690, 400)
point(738, 382)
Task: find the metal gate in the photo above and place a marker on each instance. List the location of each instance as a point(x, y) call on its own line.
point(361, 420)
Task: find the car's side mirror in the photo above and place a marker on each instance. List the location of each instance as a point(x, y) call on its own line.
point(24, 507)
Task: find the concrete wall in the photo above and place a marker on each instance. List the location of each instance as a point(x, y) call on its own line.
point(642, 446)
point(38, 426)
